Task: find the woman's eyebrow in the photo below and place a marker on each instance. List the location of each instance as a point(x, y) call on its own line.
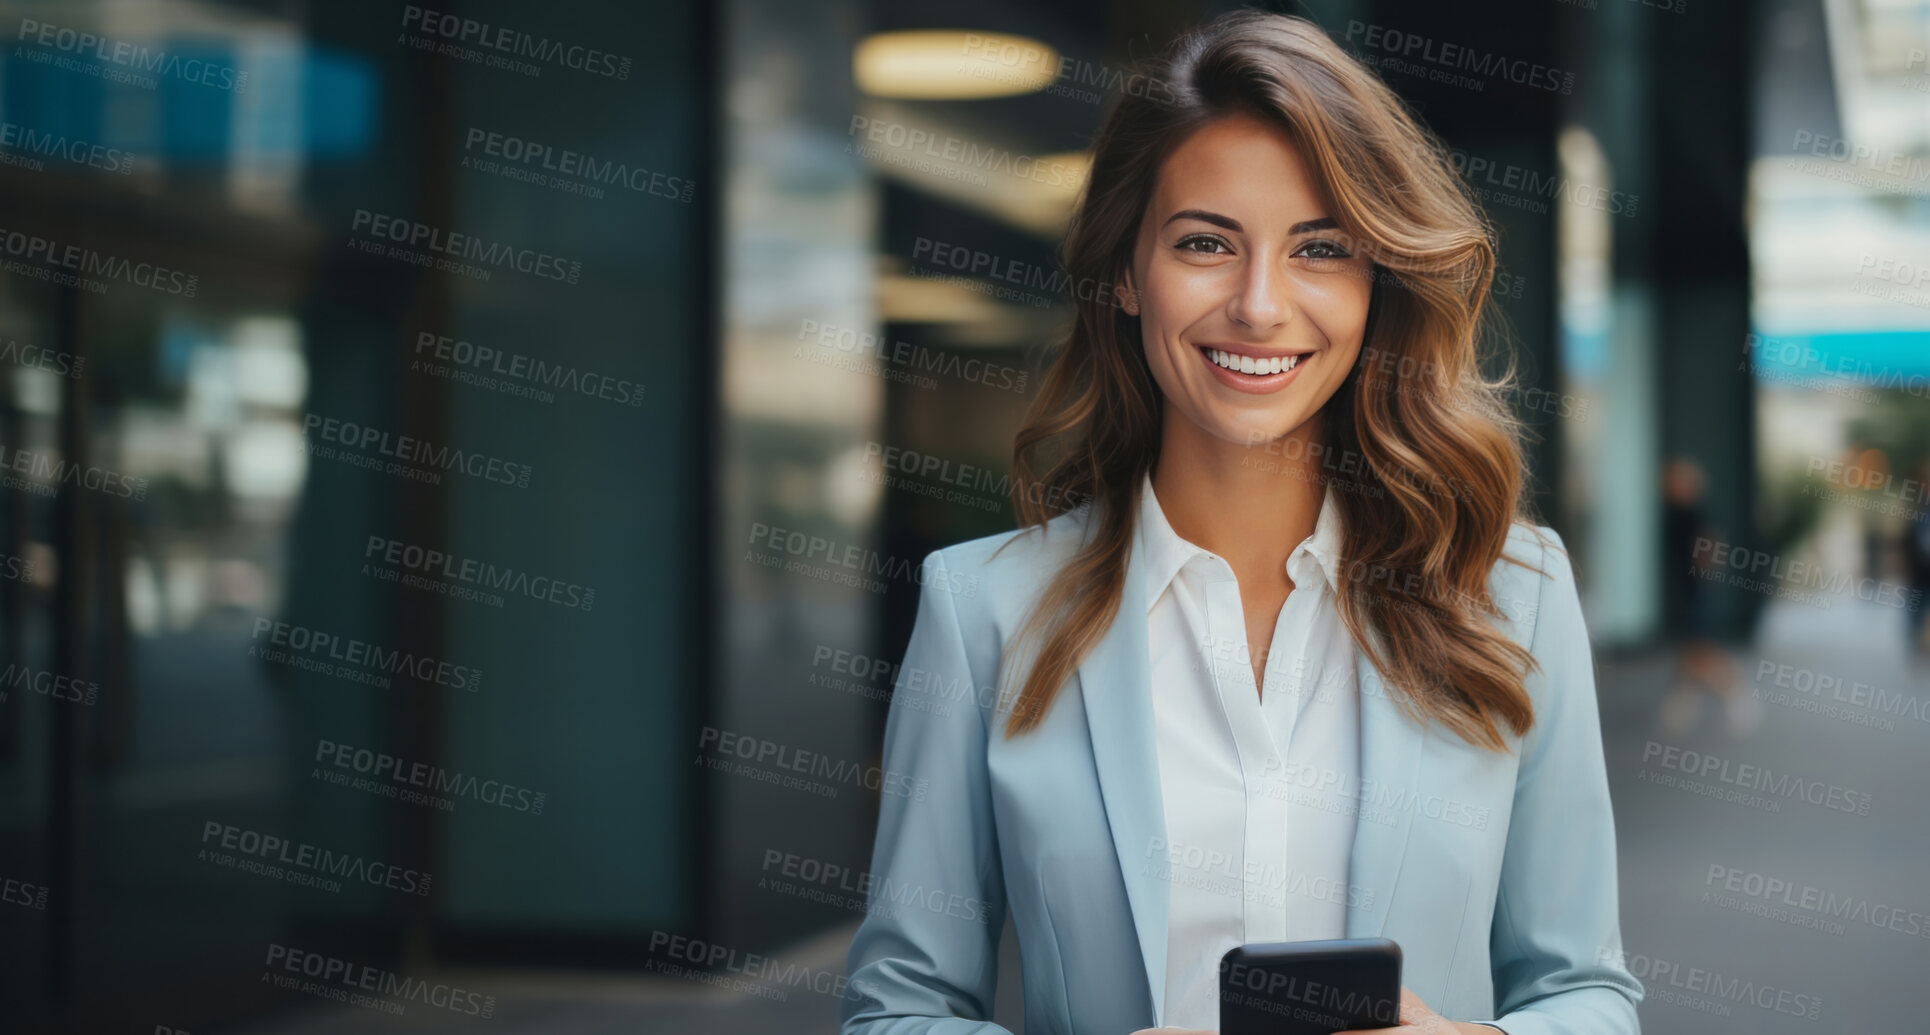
point(1229, 223)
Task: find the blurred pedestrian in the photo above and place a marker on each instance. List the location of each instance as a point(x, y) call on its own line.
point(1691, 619)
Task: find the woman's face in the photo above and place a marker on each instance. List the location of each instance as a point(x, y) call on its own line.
point(1239, 263)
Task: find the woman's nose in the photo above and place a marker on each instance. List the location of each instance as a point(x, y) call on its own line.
point(1261, 302)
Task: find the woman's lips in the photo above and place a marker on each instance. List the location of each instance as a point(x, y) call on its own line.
point(1256, 384)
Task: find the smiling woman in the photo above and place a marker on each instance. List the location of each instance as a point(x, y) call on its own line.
point(1406, 745)
point(1286, 203)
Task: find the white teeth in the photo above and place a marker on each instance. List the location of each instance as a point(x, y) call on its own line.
point(1249, 365)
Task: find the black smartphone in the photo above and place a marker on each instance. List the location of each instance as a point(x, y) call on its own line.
point(1310, 988)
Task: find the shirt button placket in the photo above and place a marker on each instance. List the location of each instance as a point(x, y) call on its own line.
point(1264, 840)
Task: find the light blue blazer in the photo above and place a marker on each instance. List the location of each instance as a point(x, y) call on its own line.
point(1495, 872)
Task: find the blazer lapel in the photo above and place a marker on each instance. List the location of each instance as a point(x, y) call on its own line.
point(1117, 691)
point(1390, 770)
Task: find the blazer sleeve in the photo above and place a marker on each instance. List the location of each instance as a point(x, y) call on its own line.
point(1556, 946)
point(925, 958)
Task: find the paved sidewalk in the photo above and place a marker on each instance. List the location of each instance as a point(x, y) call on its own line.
point(1721, 947)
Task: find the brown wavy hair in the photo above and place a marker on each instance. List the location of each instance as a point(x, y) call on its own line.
point(1433, 452)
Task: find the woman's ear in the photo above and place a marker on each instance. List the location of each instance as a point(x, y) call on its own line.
point(1128, 297)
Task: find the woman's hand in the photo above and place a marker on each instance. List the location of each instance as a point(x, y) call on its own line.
point(1417, 1018)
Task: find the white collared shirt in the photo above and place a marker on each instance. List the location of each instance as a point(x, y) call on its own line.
point(1257, 787)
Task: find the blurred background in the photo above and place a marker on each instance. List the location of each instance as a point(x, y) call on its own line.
point(405, 411)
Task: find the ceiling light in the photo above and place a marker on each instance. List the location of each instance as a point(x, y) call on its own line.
point(951, 65)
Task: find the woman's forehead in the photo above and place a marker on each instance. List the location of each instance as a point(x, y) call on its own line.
point(1243, 167)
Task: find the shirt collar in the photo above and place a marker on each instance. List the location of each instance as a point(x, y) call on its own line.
point(1164, 553)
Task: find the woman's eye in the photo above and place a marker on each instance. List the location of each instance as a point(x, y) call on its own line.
point(1323, 250)
point(1204, 244)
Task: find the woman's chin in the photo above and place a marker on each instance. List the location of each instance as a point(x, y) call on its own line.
point(1256, 432)
point(1241, 423)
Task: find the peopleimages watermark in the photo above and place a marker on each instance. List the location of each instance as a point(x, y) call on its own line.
point(905, 687)
point(77, 265)
point(980, 287)
point(418, 783)
point(1728, 780)
point(841, 887)
point(850, 564)
point(1834, 158)
point(300, 646)
point(1378, 801)
point(358, 984)
point(1415, 375)
point(1799, 581)
point(25, 146)
point(561, 169)
point(900, 361)
point(1321, 1003)
point(953, 157)
point(512, 373)
point(1890, 279)
point(1708, 991)
point(45, 473)
point(1249, 877)
point(1450, 59)
point(773, 762)
point(497, 46)
point(1912, 78)
point(37, 357)
point(1866, 488)
point(1805, 905)
point(131, 56)
point(467, 578)
point(1852, 701)
point(1291, 672)
point(51, 685)
point(706, 959)
point(1782, 360)
point(957, 482)
point(1505, 183)
point(1420, 593)
point(16, 569)
point(1508, 285)
point(298, 862)
point(406, 456)
point(21, 893)
point(453, 252)
point(1005, 59)
point(1344, 470)
point(972, 263)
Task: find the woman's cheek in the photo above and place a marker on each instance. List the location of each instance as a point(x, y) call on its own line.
point(1338, 307)
point(1343, 289)
point(1183, 290)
